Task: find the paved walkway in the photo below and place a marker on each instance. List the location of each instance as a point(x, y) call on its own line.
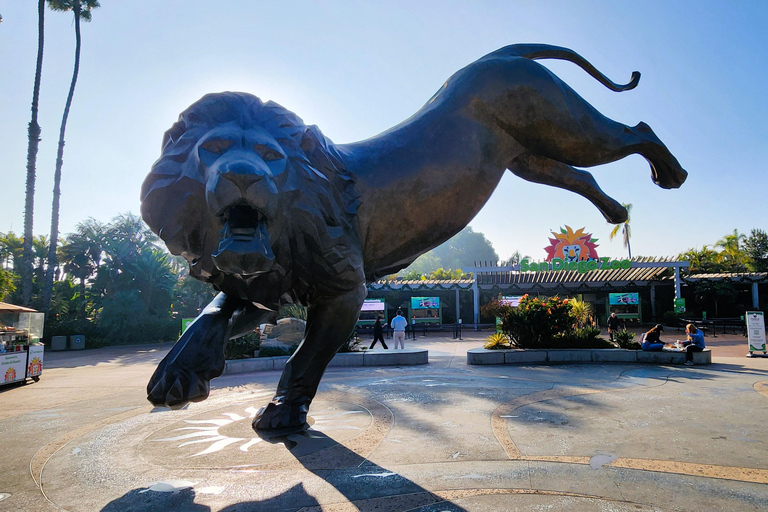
point(445, 436)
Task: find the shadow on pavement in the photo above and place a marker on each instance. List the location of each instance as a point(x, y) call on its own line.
point(365, 484)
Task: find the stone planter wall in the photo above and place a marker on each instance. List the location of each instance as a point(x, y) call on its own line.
point(402, 357)
point(594, 355)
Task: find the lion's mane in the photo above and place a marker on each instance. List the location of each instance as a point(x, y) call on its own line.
point(317, 238)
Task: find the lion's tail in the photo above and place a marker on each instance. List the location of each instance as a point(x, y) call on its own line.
point(546, 51)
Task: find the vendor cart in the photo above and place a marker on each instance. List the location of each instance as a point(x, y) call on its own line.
point(21, 353)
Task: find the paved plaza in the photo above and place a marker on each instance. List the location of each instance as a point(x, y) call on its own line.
point(439, 437)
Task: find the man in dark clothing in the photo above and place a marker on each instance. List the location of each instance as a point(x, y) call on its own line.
point(613, 325)
point(378, 333)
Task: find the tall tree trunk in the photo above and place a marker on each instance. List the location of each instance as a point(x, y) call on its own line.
point(629, 249)
point(52, 261)
point(83, 277)
point(34, 141)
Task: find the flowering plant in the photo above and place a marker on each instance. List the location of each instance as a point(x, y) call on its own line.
point(537, 322)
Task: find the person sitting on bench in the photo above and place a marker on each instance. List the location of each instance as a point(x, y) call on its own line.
point(652, 340)
point(695, 343)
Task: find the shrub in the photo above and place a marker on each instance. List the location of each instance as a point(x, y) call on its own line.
point(625, 339)
point(242, 347)
point(352, 344)
point(538, 322)
point(293, 311)
point(276, 351)
point(670, 318)
point(497, 341)
point(584, 337)
point(581, 312)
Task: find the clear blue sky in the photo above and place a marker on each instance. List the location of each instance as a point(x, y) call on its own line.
point(356, 68)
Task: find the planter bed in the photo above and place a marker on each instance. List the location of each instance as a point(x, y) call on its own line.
point(588, 355)
point(402, 357)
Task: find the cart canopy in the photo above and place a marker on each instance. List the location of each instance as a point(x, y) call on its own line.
point(11, 308)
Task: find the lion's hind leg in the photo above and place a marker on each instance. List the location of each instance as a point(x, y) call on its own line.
point(547, 117)
point(538, 169)
point(665, 169)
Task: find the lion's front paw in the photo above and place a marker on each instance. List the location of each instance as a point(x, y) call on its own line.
point(282, 415)
point(175, 387)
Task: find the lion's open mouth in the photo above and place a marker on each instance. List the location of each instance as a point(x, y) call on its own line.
point(244, 246)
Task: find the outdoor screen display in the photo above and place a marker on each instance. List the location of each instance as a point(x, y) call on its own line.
point(373, 305)
point(425, 302)
point(511, 300)
point(623, 298)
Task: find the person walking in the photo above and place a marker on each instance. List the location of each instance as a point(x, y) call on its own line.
point(695, 343)
point(378, 333)
point(613, 325)
point(398, 326)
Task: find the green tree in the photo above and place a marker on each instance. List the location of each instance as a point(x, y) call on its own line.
point(708, 292)
point(464, 249)
point(513, 260)
point(732, 256)
point(413, 275)
point(756, 250)
point(82, 11)
point(81, 255)
point(704, 260)
point(6, 283)
point(626, 231)
point(448, 274)
point(191, 296)
point(11, 251)
point(33, 132)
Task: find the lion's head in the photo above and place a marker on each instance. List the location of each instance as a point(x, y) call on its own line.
point(244, 188)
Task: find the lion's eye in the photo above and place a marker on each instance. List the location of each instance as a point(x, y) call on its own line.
point(217, 146)
point(267, 153)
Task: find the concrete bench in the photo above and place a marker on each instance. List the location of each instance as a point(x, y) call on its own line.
point(555, 356)
point(391, 357)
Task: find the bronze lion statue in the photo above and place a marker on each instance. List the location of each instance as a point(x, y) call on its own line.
point(271, 212)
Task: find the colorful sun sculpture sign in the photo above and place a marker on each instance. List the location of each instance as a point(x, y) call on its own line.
point(573, 250)
point(572, 246)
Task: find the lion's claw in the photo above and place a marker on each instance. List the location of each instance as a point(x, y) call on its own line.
point(281, 415)
point(175, 387)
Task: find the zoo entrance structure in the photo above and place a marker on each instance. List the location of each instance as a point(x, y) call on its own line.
point(657, 281)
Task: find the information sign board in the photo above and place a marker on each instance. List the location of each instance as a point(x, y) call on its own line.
point(373, 305)
point(511, 300)
point(756, 331)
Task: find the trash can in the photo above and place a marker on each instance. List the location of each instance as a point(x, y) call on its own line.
point(58, 343)
point(77, 342)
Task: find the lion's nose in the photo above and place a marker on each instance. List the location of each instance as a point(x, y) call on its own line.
point(242, 174)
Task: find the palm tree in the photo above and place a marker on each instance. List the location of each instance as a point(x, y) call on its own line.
point(82, 10)
point(626, 232)
point(33, 132)
point(732, 254)
point(11, 250)
point(81, 254)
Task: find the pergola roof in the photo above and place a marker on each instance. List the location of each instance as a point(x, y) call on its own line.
point(734, 277)
point(643, 273)
point(448, 284)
